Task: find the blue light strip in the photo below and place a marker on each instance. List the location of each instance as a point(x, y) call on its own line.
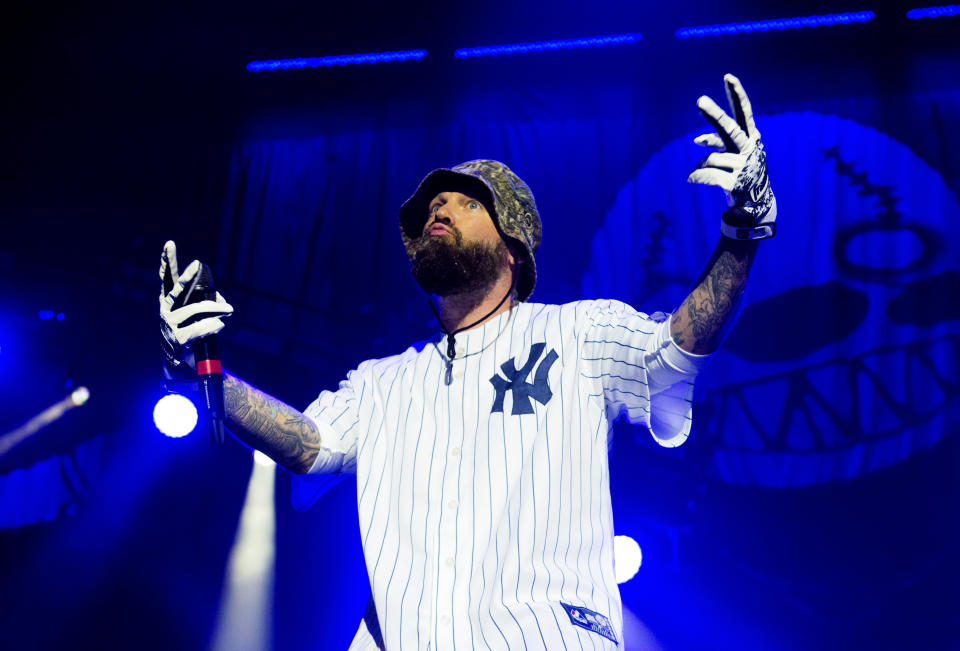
point(934, 12)
point(540, 46)
point(775, 24)
point(339, 60)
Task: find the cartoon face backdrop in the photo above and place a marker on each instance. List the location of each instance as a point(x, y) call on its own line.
point(845, 358)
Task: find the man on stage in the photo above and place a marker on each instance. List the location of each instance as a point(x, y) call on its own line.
point(481, 454)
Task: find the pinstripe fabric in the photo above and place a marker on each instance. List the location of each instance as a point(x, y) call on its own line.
point(476, 522)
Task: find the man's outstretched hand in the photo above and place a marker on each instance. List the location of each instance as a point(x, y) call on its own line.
point(183, 322)
point(739, 165)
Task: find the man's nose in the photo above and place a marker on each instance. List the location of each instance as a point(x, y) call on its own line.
point(443, 215)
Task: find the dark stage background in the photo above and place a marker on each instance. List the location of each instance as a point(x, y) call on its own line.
point(815, 504)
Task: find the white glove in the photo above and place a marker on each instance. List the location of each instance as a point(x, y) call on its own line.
point(739, 166)
point(182, 324)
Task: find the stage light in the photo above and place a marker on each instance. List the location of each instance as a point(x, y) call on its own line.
point(627, 557)
point(540, 46)
point(775, 24)
point(933, 12)
point(245, 619)
point(175, 415)
point(45, 315)
point(261, 459)
point(52, 413)
point(61, 316)
point(338, 60)
point(80, 396)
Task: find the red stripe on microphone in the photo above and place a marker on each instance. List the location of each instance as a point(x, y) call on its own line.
point(209, 367)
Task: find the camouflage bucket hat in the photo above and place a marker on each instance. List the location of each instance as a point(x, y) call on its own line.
point(507, 198)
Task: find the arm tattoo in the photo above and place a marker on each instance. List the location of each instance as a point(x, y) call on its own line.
point(267, 424)
point(708, 312)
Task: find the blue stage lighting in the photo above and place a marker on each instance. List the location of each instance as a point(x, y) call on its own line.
point(775, 24)
point(934, 12)
point(339, 60)
point(45, 315)
point(175, 415)
point(540, 46)
point(627, 557)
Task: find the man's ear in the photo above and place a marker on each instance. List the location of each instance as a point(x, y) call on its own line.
point(516, 253)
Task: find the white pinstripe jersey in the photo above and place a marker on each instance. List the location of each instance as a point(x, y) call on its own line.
point(484, 504)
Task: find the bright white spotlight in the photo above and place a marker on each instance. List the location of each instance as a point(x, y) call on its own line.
point(80, 396)
point(262, 459)
point(175, 415)
point(627, 557)
point(245, 619)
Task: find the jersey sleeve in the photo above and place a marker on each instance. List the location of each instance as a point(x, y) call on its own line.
point(640, 373)
point(338, 416)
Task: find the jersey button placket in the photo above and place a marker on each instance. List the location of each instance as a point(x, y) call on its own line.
point(448, 527)
point(458, 363)
point(447, 571)
point(447, 549)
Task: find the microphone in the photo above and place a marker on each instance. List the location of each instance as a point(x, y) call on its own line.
point(207, 355)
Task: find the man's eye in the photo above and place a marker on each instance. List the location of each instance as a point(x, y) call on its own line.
point(474, 205)
point(434, 208)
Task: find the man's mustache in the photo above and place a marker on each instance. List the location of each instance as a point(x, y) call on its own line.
point(428, 241)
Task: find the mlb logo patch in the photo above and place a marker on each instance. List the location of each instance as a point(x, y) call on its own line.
point(515, 381)
point(590, 620)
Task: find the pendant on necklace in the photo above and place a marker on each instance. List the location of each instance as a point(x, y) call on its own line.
point(451, 353)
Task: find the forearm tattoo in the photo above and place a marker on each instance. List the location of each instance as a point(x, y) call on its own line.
point(269, 425)
point(708, 312)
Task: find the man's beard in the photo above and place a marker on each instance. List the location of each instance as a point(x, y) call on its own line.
point(445, 265)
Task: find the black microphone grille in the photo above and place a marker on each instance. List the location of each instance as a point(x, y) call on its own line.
point(204, 277)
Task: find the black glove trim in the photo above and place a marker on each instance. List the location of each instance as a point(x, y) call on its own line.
point(758, 232)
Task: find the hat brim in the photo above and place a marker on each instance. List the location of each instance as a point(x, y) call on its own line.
point(414, 211)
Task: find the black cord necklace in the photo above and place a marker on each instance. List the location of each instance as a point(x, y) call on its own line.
point(451, 336)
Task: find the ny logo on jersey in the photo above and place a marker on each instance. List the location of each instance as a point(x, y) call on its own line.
point(516, 381)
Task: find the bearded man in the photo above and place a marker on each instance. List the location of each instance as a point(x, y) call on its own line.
point(481, 455)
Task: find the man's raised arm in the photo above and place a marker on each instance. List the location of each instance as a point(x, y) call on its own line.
point(259, 420)
point(739, 167)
